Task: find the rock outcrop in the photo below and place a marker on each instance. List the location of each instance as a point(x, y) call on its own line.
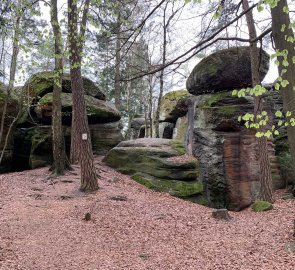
point(173, 106)
point(224, 70)
point(149, 162)
point(226, 149)
point(33, 135)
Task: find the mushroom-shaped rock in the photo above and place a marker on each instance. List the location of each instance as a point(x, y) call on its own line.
point(225, 70)
point(98, 111)
point(149, 162)
point(41, 83)
point(173, 105)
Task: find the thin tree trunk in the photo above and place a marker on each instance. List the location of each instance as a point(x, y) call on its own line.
point(2, 50)
point(60, 161)
point(280, 18)
point(266, 193)
point(157, 116)
point(118, 62)
point(12, 68)
point(150, 113)
point(81, 131)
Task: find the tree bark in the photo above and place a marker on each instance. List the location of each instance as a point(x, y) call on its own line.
point(280, 18)
point(118, 62)
point(266, 193)
point(12, 71)
point(157, 116)
point(80, 130)
point(60, 161)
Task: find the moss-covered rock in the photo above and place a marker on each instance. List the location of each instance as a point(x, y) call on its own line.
point(173, 105)
point(261, 206)
point(98, 111)
point(41, 83)
point(173, 187)
point(148, 160)
point(224, 70)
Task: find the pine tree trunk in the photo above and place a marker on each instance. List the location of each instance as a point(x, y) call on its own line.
point(280, 18)
point(157, 116)
point(264, 162)
point(117, 62)
point(80, 130)
point(12, 71)
point(60, 161)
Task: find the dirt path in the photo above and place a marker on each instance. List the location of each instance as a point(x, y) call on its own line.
point(132, 228)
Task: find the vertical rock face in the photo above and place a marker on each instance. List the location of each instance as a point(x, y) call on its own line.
point(226, 150)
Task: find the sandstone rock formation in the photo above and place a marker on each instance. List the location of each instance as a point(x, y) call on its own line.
point(173, 106)
point(33, 135)
point(224, 70)
point(148, 162)
point(226, 149)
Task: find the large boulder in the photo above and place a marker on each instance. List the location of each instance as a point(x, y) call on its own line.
point(227, 150)
point(173, 105)
point(225, 70)
point(98, 111)
point(41, 83)
point(149, 162)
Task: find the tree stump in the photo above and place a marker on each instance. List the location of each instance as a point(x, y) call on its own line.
point(221, 214)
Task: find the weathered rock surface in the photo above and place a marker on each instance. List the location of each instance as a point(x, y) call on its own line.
point(33, 146)
point(41, 83)
point(226, 150)
point(147, 161)
point(105, 136)
point(224, 70)
point(173, 106)
point(180, 129)
point(33, 135)
point(98, 111)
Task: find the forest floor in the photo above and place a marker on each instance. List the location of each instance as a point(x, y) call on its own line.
point(42, 226)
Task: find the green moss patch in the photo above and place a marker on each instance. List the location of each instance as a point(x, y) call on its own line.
point(173, 187)
point(261, 206)
point(178, 146)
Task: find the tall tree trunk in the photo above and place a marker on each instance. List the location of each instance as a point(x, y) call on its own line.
point(12, 71)
point(150, 109)
point(280, 18)
point(264, 162)
point(118, 62)
point(157, 116)
point(81, 130)
point(60, 161)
